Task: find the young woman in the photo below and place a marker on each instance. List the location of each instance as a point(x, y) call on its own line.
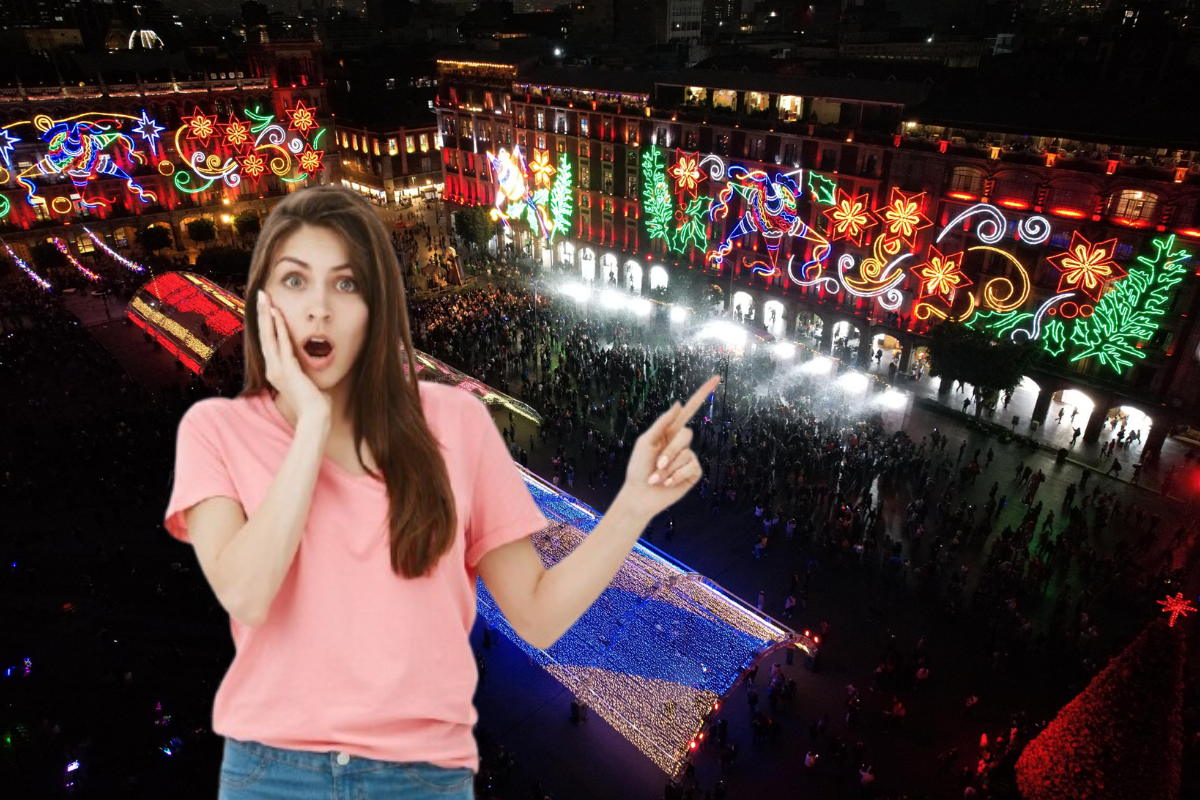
point(341, 511)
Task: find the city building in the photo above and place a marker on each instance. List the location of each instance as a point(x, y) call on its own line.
point(864, 210)
point(387, 163)
point(118, 157)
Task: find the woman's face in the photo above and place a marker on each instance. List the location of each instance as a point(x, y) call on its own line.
point(312, 284)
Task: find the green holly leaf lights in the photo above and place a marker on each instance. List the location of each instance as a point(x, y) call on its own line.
point(679, 223)
point(821, 188)
point(562, 197)
point(1130, 313)
point(1054, 337)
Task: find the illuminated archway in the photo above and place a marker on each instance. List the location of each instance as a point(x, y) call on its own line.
point(774, 318)
point(608, 271)
point(633, 276)
point(587, 265)
point(741, 306)
point(658, 277)
point(847, 339)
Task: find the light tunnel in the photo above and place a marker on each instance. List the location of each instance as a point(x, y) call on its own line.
point(658, 650)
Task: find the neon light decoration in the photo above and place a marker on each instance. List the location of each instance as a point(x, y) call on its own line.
point(62, 248)
point(250, 147)
point(83, 148)
point(770, 209)
point(902, 217)
point(941, 275)
point(547, 207)
point(821, 189)
point(172, 307)
point(1085, 267)
point(1176, 606)
point(120, 259)
point(38, 279)
point(680, 224)
point(850, 218)
point(1130, 313)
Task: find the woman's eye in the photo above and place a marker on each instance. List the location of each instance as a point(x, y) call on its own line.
point(288, 278)
point(351, 281)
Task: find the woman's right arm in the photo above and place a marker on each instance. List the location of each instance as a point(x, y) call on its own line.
point(246, 560)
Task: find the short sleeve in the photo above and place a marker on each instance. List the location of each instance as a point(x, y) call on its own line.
point(502, 509)
point(200, 469)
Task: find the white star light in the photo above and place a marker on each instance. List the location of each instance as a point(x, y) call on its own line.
point(7, 143)
point(148, 129)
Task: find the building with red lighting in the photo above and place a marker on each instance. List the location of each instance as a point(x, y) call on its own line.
point(118, 157)
point(864, 206)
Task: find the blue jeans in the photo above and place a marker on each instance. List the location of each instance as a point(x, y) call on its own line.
point(254, 771)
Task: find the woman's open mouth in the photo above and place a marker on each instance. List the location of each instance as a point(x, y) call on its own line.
point(318, 351)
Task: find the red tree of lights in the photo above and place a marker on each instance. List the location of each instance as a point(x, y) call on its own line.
point(1122, 737)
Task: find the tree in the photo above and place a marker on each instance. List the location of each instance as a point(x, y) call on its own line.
point(224, 264)
point(202, 230)
point(153, 238)
point(474, 226)
point(47, 257)
point(959, 353)
point(247, 224)
point(1122, 737)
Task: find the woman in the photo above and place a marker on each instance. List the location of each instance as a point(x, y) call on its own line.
point(341, 512)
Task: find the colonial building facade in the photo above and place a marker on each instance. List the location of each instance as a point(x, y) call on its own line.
point(115, 158)
point(839, 204)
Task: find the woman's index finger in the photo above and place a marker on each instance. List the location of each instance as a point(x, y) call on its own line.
point(695, 401)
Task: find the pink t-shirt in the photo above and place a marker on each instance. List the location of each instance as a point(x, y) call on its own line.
point(353, 657)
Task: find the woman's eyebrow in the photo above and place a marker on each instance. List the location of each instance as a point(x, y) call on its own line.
point(304, 264)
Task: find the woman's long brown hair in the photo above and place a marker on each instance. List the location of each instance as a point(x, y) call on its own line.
point(384, 401)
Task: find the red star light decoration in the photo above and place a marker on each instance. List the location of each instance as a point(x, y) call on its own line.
point(1086, 267)
point(941, 275)
point(310, 160)
point(302, 119)
point(237, 133)
point(686, 172)
point(541, 167)
point(200, 126)
point(902, 217)
point(849, 218)
point(253, 165)
point(1175, 606)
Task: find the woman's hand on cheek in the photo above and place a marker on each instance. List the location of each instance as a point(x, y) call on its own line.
point(662, 467)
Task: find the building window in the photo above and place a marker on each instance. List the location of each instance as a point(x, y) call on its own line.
point(424, 142)
point(354, 139)
point(757, 102)
point(40, 212)
point(631, 186)
point(539, 118)
point(585, 201)
point(345, 141)
point(392, 147)
point(488, 102)
point(608, 180)
point(583, 125)
point(1074, 199)
point(689, 139)
point(119, 235)
point(723, 144)
point(375, 146)
point(541, 141)
point(725, 98)
point(789, 153)
point(86, 245)
point(585, 150)
point(791, 107)
point(520, 138)
point(967, 180)
point(408, 145)
point(560, 123)
point(608, 206)
point(585, 176)
point(607, 153)
point(1134, 205)
point(467, 128)
point(631, 133)
point(695, 96)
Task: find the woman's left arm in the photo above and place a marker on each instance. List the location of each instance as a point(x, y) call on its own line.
point(542, 604)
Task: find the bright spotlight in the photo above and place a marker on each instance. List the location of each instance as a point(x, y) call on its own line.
point(640, 306)
point(816, 365)
point(678, 313)
point(576, 290)
point(785, 350)
point(612, 299)
point(893, 399)
point(854, 381)
point(726, 332)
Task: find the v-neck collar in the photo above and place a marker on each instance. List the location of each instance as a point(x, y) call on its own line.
point(273, 411)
